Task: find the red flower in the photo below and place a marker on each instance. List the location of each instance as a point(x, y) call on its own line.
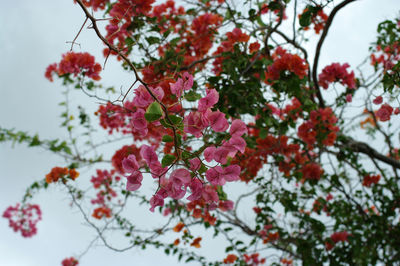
point(337, 73)
point(384, 113)
point(340, 236)
point(312, 171)
point(371, 179)
point(70, 262)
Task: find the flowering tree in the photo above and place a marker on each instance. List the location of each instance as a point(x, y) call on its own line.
point(222, 92)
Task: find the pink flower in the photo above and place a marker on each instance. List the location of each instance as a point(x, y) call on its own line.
point(195, 164)
point(238, 143)
point(217, 121)
point(142, 98)
point(231, 173)
point(182, 84)
point(384, 112)
point(180, 177)
point(209, 100)
point(349, 98)
point(194, 123)
point(210, 195)
point(220, 154)
point(196, 187)
point(134, 181)
point(23, 218)
point(214, 176)
point(129, 164)
point(138, 121)
point(156, 200)
point(226, 205)
point(209, 153)
point(238, 128)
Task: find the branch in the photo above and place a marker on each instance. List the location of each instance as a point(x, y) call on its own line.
point(362, 147)
point(319, 46)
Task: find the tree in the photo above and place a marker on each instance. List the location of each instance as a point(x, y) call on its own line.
point(223, 93)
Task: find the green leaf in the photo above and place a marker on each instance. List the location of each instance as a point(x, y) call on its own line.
point(305, 18)
point(152, 40)
point(153, 112)
point(168, 159)
point(192, 96)
point(35, 141)
point(167, 138)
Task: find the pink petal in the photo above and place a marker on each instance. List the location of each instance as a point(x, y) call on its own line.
point(209, 153)
point(134, 181)
point(231, 173)
point(238, 143)
point(238, 128)
point(129, 164)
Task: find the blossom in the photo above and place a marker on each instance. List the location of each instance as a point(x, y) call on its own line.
point(312, 171)
point(75, 63)
point(23, 218)
point(194, 123)
point(384, 113)
point(238, 128)
point(340, 236)
point(378, 100)
point(209, 100)
point(371, 179)
point(336, 72)
point(217, 121)
point(196, 242)
point(231, 258)
point(101, 212)
point(182, 84)
point(129, 164)
point(60, 172)
point(134, 181)
point(69, 262)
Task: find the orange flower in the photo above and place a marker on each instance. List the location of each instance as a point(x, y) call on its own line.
point(55, 174)
point(196, 242)
point(231, 258)
point(73, 174)
point(101, 212)
point(179, 227)
point(176, 242)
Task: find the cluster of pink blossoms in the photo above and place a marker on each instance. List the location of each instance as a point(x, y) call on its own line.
point(195, 123)
point(23, 218)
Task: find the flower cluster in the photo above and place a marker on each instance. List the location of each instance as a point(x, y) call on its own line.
point(75, 63)
point(23, 218)
point(336, 72)
point(103, 182)
point(71, 261)
point(282, 62)
point(60, 172)
point(318, 19)
point(335, 238)
point(371, 179)
point(253, 259)
point(319, 128)
point(235, 36)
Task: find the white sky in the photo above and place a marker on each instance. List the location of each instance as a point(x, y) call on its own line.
point(33, 34)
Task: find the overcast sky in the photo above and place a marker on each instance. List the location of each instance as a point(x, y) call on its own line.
point(33, 34)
